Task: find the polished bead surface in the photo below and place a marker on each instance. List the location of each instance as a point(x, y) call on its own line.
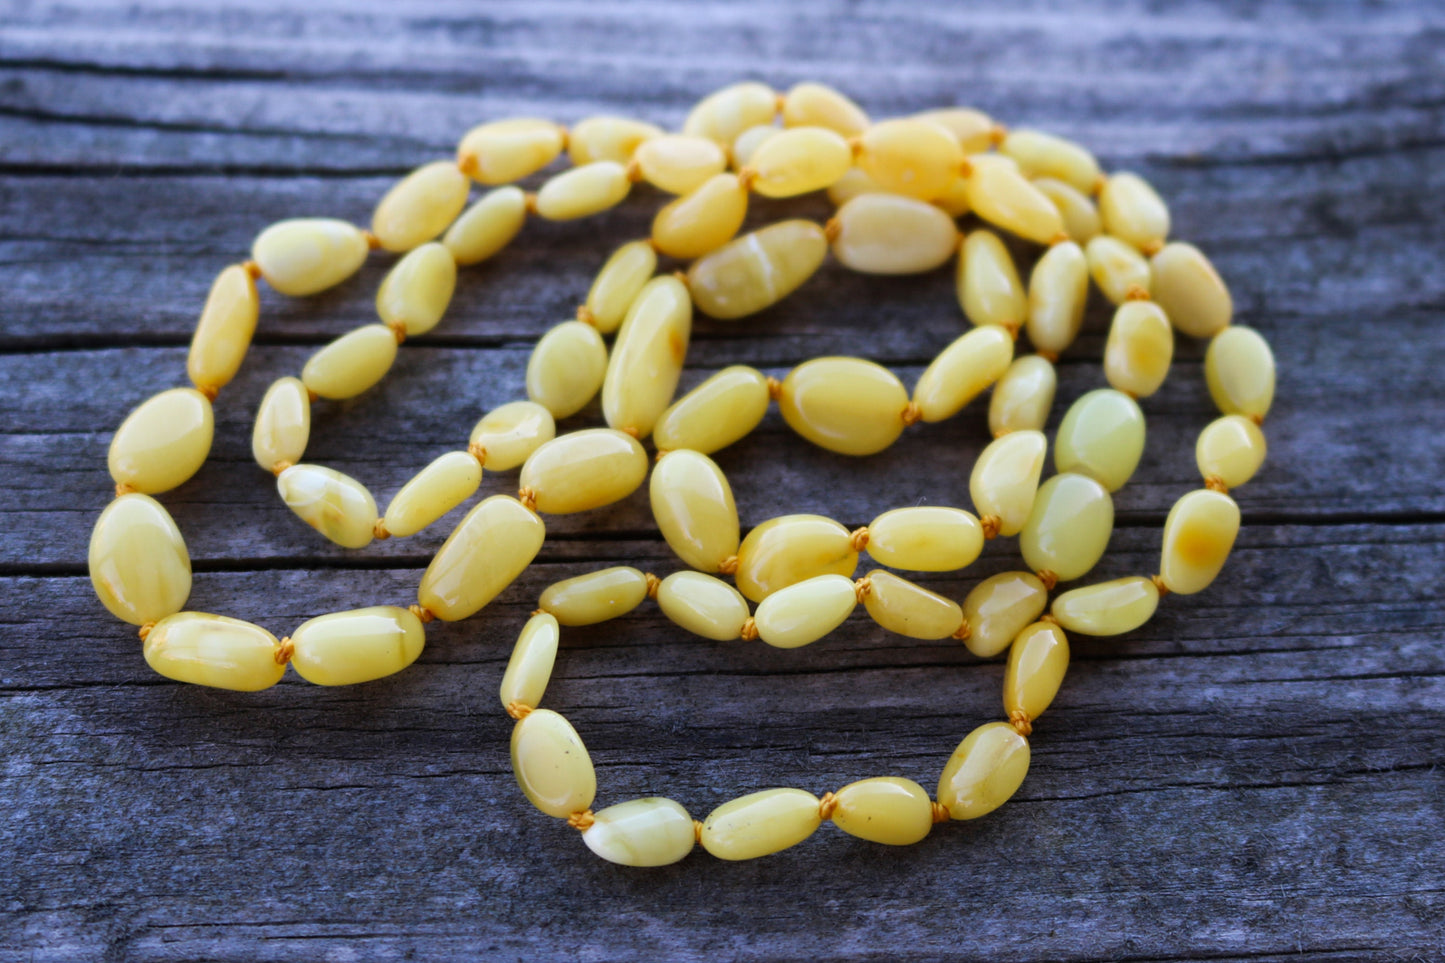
point(1102, 436)
point(1024, 396)
point(1118, 268)
point(884, 809)
point(566, 368)
point(139, 566)
point(529, 668)
point(647, 357)
point(998, 608)
point(693, 505)
point(853, 183)
point(420, 206)
point(1068, 527)
point(909, 156)
point(583, 191)
point(616, 286)
point(1133, 212)
point(283, 424)
point(583, 470)
point(747, 143)
point(508, 150)
point(432, 492)
point(984, 771)
point(999, 194)
point(1045, 155)
point(679, 163)
point(973, 129)
point(900, 606)
point(1108, 608)
point(352, 363)
point(1140, 348)
point(641, 832)
point(703, 605)
point(805, 611)
point(305, 255)
point(798, 161)
point(1005, 478)
point(1239, 369)
point(725, 113)
point(893, 234)
point(790, 548)
point(847, 405)
point(1058, 291)
point(511, 432)
point(416, 292)
point(347, 648)
point(1231, 449)
point(223, 334)
point(722, 410)
point(336, 505)
point(757, 270)
point(1198, 536)
point(487, 550)
point(1190, 291)
point(1037, 661)
point(702, 220)
point(551, 764)
point(988, 285)
point(595, 596)
point(487, 226)
point(608, 138)
point(163, 441)
point(1081, 217)
point(817, 105)
point(215, 651)
point(760, 823)
point(963, 371)
point(925, 538)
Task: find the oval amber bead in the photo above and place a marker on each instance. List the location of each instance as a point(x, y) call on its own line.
point(853, 183)
point(816, 105)
point(723, 409)
point(884, 809)
point(617, 285)
point(790, 548)
point(347, 648)
point(641, 832)
point(703, 220)
point(1133, 212)
point(1023, 396)
point(760, 823)
point(1005, 478)
point(583, 470)
point(747, 143)
point(1068, 527)
point(679, 163)
point(508, 150)
point(919, 158)
point(1190, 291)
point(1109, 608)
point(725, 113)
point(893, 234)
point(489, 548)
point(138, 562)
point(1118, 269)
point(757, 270)
point(989, 289)
point(224, 331)
point(608, 138)
point(984, 771)
point(1102, 436)
point(283, 424)
point(694, 508)
point(308, 254)
point(1231, 449)
point(1037, 661)
point(552, 765)
point(963, 371)
point(529, 668)
point(703, 605)
point(1044, 155)
point(973, 129)
point(566, 368)
point(1058, 290)
point(415, 293)
point(163, 441)
point(798, 161)
point(511, 433)
point(1198, 536)
point(647, 356)
point(1140, 348)
point(215, 651)
point(420, 206)
point(487, 226)
point(596, 596)
point(999, 194)
point(847, 405)
point(336, 505)
point(900, 606)
point(1081, 218)
point(432, 492)
point(1239, 368)
point(999, 607)
point(583, 191)
point(925, 538)
point(352, 363)
point(804, 612)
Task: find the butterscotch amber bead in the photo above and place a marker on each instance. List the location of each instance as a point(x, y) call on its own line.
point(420, 206)
point(984, 771)
point(566, 369)
point(963, 371)
point(679, 163)
point(618, 283)
point(1140, 348)
point(551, 764)
point(416, 292)
point(1118, 268)
point(583, 470)
point(1005, 478)
point(988, 285)
point(925, 538)
point(1189, 289)
point(283, 424)
point(641, 832)
point(336, 505)
point(362, 645)
point(1023, 397)
point(432, 492)
point(806, 611)
point(224, 331)
point(583, 191)
point(1108, 608)
point(1081, 218)
point(487, 550)
point(798, 161)
point(972, 128)
point(703, 605)
point(790, 548)
point(816, 105)
point(608, 138)
point(847, 405)
point(893, 234)
point(1231, 449)
point(1102, 436)
point(900, 606)
point(215, 651)
point(596, 596)
point(760, 823)
point(512, 432)
point(918, 158)
point(508, 150)
point(723, 409)
point(999, 194)
point(999, 607)
point(702, 220)
point(1045, 155)
point(530, 667)
point(1198, 536)
point(693, 505)
point(757, 270)
point(1058, 290)
point(1239, 369)
point(487, 226)
point(1133, 212)
point(1068, 527)
point(305, 255)
point(138, 562)
point(352, 363)
point(884, 809)
point(1037, 661)
point(163, 441)
point(647, 357)
point(725, 113)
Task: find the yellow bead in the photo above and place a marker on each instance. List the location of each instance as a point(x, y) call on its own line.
point(214, 651)
point(1044, 155)
point(163, 441)
point(1058, 290)
point(352, 363)
point(530, 667)
point(893, 234)
point(847, 405)
point(919, 158)
point(608, 138)
point(309, 254)
point(138, 562)
point(1102, 436)
point(508, 150)
point(1239, 368)
point(336, 505)
point(973, 129)
point(642, 832)
point(1023, 397)
point(790, 548)
point(415, 293)
point(999, 607)
point(747, 143)
point(511, 433)
point(489, 548)
point(954, 201)
point(1231, 449)
point(1081, 218)
point(925, 538)
point(348, 648)
point(1133, 212)
point(1037, 661)
point(988, 285)
point(552, 765)
point(583, 191)
point(432, 492)
point(999, 194)
point(703, 605)
point(618, 283)
point(725, 113)
point(1005, 478)
point(420, 206)
point(984, 771)
point(1198, 536)
point(583, 470)
point(647, 356)
point(1108, 608)
point(806, 611)
point(963, 371)
point(487, 226)
point(702, 220)
point(1190, 291)
point(566, 368)
point(694, 508)
point(679, 163)
point(1068, 527)
point(885, 809)
point(283, 424)
point(900, 606)
point(224, 332)
point(814, 105)
point(596, 596)
point(798, 161)
point(853, 183)
point(1118, 268)
point(757, 270)
point(723, 409)
point(760, 823)
point(1140, 348)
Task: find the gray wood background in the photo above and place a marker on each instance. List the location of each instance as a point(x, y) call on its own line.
point(1252, 776)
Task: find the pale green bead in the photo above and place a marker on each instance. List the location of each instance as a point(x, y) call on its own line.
point(305, 255)
point(1069, 526)
point(1101, 436)
point(1239, 368)
point(566, 368)
point(963, 371)
point(760, 823)
point(693, 505)
point(487, 226)
point(647, 357)
point(925, 538)
point(1023, 397)
point(1231, 449)
point(596, 596)
point(806, 611)
point(163, 441)
point(884, 809)
point(1133, 212)
point(511, 432)
point(283, 424)
point(1037, 661)
point(352, 363)
point(420, 206)
point(415, 293)
point(487, 550)
point(984, 771)
point(1198, 536)
point(583, 470)
point(617, 285)
point(138, 562)
point(1108, 608)
point(432, 492)
point(789, 549)
point(215, 651)
point(900, 606)
point(347, 648)
point(703, 605)
point(641, 832)
point(1189, 289)
point(999, 607)
point(1117, 268)
point(1058, 291)
point(722, 410)
point(551, 764)
point(530, 667)
point(336, 505)
point(1005, 478)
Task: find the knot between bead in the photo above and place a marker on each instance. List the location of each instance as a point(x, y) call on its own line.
point(1021, 723)
point(1049, 618)
point(478, 451)
point(1136, 292)
point(422, 612)
point(858, 539)
point(862, 588)
point(832, 228)
point(372, 241)
point(1158, 581)
point(912, 414)
point(518, 710)
point(528, 497)
point(940, 813)
point(826, 805)
point(749, 630)
point(991, 525)
point(378, 530)
point(285, 650)
point(775, 388)
point(634, 171)
point(145, 630)
point(729, 565)
point(963, 631)
point(210, 391)
point(652, 583)
point(121, 488)
point(585, 315)
point(280, 466)
point(398, 330)
point(747, 177)
point(1216, 484)
point(582, 821)
point(1048, 577)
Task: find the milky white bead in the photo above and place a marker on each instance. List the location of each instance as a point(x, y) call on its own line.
point(998, 608)
point(1037, 661)
point(988, 285)
point(1024, 396)
point(1081, 218)
point(348, 648)
point(973, 129)
point(919, 158)
point(551, 764)
point(1198, 536)
point(703, 605)
point(508, 150)
point(583, 470)
point(566, 368)
point(647, 357)
point(790, 548)
point(1108, 608)
point(283, 424)
point(1118, 268)
point(415, 293)
point(608, 138)
point(893, 234)
point(679, 163)
point(432, 492)
point(847, 405)
point(725, 113)
point(806, 611)
point(336, 505)
point(900, 606)
point(642, 832)
point(1140, 348)
point(487, 226)
point(487, 550)
point(984, 771)
point(596, 596)
point(224, 331)
point(1239, 369)
point(420, 206)
point(1005, 478)
point(1190, 291)
point(963, 371)
point(352, 363)
point(1102, 436)
point(583, 191)
point(1231, 449)
point(853, 183)
point(1068, 527)
point(799, 160)
point(747, 143)
point(1133, 212)
point(760, 823)
point(815, 105)
point(702, 220)
point(884, 809)
point(511, 432)
point(530, 667)
point(694, 508)
point(757, 270)
point(213, 650)
point(999, 194)
point(723, 409)
point(138, 562)
point(618, 283)
point(1058, 291)
point(1044, 155)
point(925, 538)
point(309, 254)
point(163, 441)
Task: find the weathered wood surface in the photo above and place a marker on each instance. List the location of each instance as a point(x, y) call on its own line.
point(1253, 775)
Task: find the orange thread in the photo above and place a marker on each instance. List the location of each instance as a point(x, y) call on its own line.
point(775, 388)
point(1020, 721)
point(862, 587)
point(378, 530)
point(660, 453)
point(634, 171)
point(518, 710)
point(312, 396)
point(529, 200)
point(538, 611)
point(991, 525)
point(585, 315)
point(372, 241)
point(1152, 247)
point(1059, 238)
point(631, 430)
point(252, 268)
point(912, 414)
point(1136, 292)
point(826, 805)
point(1158, 581)
point(478, 451)
point(565, 134)
point(749, 630)
point(858, 539)
point(747, 177)
point(1048, 617)
point(682, 279)
point(963, 631)
point(285, 651)
point(1216, 484)
point(422, 612)
point(398, 330)
point(121, 488)
point(145, 630)
point(832, 229)
point(210, 391)
point(582, 820)
point(1049, 356)
point(855, 144)
point(697, 830)
point(652, 583)
point(528, 497)
point(280, 466)
point(1257, 419)
point(1098, 185)
point(1049, 578)
point(966, 168)
point(729, 565)
point(467, 163)
point(940, 813)
point(997, 134)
